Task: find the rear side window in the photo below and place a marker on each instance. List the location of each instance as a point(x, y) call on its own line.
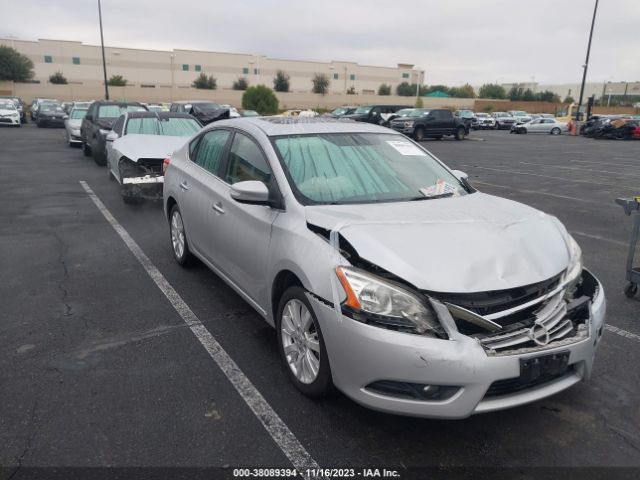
point(211, 150)
point(117, 127)
point(246, 162)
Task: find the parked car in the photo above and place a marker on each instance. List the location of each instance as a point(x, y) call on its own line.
point(72, 125)
point(233, 111)
point(156, 107)
point(20, 106)
point(504, 120)
point(205, 111)
point(138, 145)
point(541, 125)
point(35, 105)
point(376, 114)
point(249, 113)
point(50, 114)
point(520, 115)
point(485, 121)
point(342, 111)
point(430, 123)
point(467, 116)
point(9, 114)
point(97, 123)
point(423, 296)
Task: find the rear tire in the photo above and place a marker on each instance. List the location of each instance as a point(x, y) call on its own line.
point(178, 237)
point(555, 131)
point(302, 341)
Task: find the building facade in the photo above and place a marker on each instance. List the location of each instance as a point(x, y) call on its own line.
point(82, 64)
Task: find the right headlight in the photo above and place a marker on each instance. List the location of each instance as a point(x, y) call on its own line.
point(373, 300)
point(574, 270)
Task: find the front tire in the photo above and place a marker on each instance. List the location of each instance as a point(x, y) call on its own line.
point(460, 133)
point(178, 235)
point(555, 131)
point(86, 149)
point(301, 344)
point(418, 135)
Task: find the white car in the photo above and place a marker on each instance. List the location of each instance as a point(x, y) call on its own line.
point(137, 149)
point(484, 120)
point(233, 111)
point(72, 124)
point(9, 114)
point(520, 115)
point(541, 125)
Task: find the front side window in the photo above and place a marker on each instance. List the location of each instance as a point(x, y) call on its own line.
point(117, 127)
point(210, 150)
point(341, 168)
point(77, 114)
point(114, 111)
point(363, 110)
point(246, 162)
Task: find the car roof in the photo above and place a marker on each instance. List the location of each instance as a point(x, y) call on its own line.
point(115, 102)
point(158, 115)
point(276, 126)
point(184, 102)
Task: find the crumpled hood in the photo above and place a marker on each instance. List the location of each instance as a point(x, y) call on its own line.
point(472, 243)
point(134, 146)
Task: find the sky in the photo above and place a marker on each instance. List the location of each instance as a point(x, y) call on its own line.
point(454, 41)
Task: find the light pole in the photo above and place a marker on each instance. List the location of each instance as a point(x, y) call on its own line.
point(586, 62)
point(104, 62)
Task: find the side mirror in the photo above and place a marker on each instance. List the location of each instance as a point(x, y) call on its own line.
point(111, 136)
point(250, 191)
point(460, 175)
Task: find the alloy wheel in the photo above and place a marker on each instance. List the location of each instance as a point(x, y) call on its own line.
point(177, 234)
point(300, 341)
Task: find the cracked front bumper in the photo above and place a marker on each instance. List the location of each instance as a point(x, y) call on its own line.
point(361, 354)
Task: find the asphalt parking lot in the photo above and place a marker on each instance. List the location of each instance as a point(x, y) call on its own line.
point(98, 368)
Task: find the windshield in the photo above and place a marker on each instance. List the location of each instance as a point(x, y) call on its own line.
point(206, 107)
point(341, 168)
point(519, 113)
point(363, 110)
point(412, 112)
point(171, 127)
point(340, 111)
point(466, 114)
point(114, 111)
point(50, 107)
point(7, 106)
point(77, 114)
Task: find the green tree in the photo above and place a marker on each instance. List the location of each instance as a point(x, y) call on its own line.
point(465, 91)
point(14, 66)
point(281, 82)
point(492, 90)
point(384, 89)
point(205, 82)
point(406, 89)
point(515, 94)
point(261, 99)
point(528, 95)
point(320, 83)
point(240, 84)
point(547, 96)
point(58, 79)
point(117, 81)
point(569, 99)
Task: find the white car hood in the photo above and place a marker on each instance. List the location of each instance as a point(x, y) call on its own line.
point(8, 112)
point(74, 123)
point(472, 243)
point(134, 146)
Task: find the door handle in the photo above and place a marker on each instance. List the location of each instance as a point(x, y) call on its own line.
point(218, 207)
point(184, 186)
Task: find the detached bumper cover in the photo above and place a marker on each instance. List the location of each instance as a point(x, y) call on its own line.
point(361, 354)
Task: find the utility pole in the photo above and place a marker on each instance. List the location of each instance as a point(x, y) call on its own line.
point(104, 62)
point(586, 62)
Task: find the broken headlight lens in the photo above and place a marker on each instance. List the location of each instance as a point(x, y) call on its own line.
point(575, 261)
point(379, 302)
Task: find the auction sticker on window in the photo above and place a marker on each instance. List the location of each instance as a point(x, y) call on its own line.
point(406, 148)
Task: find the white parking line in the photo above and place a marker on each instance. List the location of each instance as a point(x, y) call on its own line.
point(273, 424)
point(581, 169)
point(546, 194)
point(623, 333)
point(600, 237)
point(600, 163)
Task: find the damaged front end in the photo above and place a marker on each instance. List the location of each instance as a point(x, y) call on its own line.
point(141, 179)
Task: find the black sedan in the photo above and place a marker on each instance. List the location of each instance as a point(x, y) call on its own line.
point(51, 115)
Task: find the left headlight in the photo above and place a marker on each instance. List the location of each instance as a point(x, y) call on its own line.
point(376, 301)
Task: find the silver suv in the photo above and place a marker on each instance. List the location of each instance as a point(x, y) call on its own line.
point(385, 273)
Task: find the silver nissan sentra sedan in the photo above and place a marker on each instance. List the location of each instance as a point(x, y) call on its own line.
point(385, 273)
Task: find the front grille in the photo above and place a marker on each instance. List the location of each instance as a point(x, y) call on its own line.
point(517, 384)
point(486, 303)
point(5, 120)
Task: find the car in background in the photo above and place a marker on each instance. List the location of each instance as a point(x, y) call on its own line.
point(423, 123)
point(97, 123)
point(520, 115)
point(484, 121)
point(376, 114)
point(503, 120)
point(249, 113)
point(467, 116)
point(35, 105)
point(20, 106)
point(66, 106)
point(157, 107)
point(547, 115)
point(342, 111)
point(72, 126)
point(233, 111)
point(385, 273)
point(205, 111)
point(541, 125)
point(9, 114)
point(137, 147)
point(50, 115)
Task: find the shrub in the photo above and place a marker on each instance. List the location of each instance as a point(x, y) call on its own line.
point(405, 89)
point(492, 90)
point(240, 84)
point(320, 83)
point(569, 99)
point(419, 102)
point(261, 99)
point(58, 79)
point(14, 65)
point(281, 82)
point(205, 82)
point(117, 81)
point(384, 89)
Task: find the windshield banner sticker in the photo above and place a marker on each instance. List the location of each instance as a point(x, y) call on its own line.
point(406, 148)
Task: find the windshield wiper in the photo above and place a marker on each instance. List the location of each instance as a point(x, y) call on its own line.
point(431, 197)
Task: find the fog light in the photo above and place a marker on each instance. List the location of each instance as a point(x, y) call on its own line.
point(412, 391)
